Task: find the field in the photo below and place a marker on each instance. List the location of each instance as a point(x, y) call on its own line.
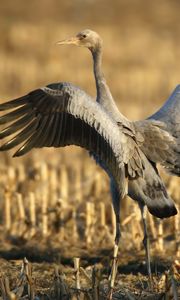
point(55, 205)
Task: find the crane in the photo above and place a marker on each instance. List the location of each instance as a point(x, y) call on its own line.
point(62, 114)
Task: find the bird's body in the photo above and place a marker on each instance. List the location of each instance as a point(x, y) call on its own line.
point(62, 114)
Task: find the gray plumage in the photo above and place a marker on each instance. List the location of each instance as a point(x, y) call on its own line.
point(59, 115)
point(169, 115)
point(62, 114)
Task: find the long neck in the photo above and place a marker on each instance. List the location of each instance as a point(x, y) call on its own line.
point(104, 96)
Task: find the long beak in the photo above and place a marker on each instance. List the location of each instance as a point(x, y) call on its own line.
point(72, 40)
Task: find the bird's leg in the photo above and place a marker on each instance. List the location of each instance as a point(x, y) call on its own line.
point(115, 254)
point(146, 243)
point(116, 197)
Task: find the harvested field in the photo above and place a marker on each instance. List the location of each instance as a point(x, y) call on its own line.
point(55, 205)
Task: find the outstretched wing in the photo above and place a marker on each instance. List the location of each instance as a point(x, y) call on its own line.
point(161, 134)
point(169, 114)
point(59, 115)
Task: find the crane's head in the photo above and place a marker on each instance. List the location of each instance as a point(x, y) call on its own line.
point(85, 38)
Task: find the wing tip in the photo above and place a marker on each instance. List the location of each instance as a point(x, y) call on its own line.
point(13, 103)
point(177, 88)
point(4, 147)
point(22, 151)
point(18, 153)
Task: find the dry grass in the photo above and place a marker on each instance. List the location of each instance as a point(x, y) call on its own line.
point(55, 204)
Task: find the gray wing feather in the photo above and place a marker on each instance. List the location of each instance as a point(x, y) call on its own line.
point(169, 114)
point(59, 115)
point(161, 134)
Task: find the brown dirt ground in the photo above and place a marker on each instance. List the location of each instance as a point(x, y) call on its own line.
point(131, 281)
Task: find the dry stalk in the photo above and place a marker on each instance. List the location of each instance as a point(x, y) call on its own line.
point(11, 177)
point(74, 218)
point(161, 282)
point(174, 288)
point(8, 220)
point(78, 195)
point(20, 285)
point(19, 290)
point(106, 234)
point(172, 188)
point(5, 289)
point(95, 283)
point(53, 186)
point(60, 218)
point(176, 270)
point(64, 187)
point(77, 272)
point(20, 206)
point(60, 290)
point(21, 173)
point(85, 274)
point(32, 214)
point(171, 291)
point(93, 217)
point(44, 172)
point(88, 178)
point(98, 186)
point(177, 232)
point(102, 214)
point(89, 222)
point(21, 211)
point(53, 180)
point(27, 270)
point(160, 242)
point(128, 219)
point(44, 216)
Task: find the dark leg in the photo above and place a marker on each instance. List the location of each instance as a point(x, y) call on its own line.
point(146, 242)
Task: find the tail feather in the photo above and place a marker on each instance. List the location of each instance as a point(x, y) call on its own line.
point(158, 201)
point(151, 191)
point(164, 211)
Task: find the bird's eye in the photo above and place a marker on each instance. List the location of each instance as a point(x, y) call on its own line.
point(84, 36)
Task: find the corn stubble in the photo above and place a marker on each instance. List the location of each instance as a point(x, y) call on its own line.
point(40, 211)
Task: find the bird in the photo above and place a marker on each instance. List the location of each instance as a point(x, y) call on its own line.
point(62, 114)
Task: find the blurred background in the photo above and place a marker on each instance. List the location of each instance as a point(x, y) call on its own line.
point(141, 63)
point(141, 48)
